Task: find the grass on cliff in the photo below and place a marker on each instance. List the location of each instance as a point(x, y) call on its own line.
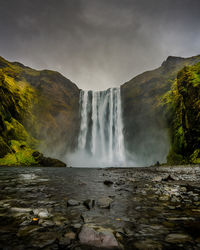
point(17, 98)
point(183, 109)
point(21, 155)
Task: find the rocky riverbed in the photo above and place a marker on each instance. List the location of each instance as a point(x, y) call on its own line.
point(71, 208)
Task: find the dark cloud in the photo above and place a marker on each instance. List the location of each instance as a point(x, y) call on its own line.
point(98, 43)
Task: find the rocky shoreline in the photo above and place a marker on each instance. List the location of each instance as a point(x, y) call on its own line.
point(130, 208)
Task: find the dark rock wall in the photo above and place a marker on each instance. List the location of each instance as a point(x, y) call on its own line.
point(146, 127)
point(184, 105)
point(42, 106)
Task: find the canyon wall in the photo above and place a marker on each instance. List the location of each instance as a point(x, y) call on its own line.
point(146, 120)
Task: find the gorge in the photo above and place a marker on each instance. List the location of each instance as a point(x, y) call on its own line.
point(104, 201)
point(43, 110)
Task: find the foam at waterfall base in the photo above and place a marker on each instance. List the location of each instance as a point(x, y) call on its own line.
point(100, 139)
point(81, 159)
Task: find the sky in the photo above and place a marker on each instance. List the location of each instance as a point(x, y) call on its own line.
point(98, 43)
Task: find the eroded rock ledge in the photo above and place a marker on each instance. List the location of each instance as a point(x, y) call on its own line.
point(47, 161)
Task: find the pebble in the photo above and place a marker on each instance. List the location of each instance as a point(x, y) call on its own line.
point(73, 202)
point(42, 213)
point(164, 198)
point(77, 226)
point(70, 235)
point(108, 182)
point(64, 241)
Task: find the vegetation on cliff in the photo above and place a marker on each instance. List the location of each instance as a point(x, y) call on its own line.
point(39, 110)
point(16, 144)
point(183, 109)
point(145, 118)
point(36, 109)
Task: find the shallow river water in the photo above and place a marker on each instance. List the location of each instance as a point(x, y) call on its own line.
point(141, 208)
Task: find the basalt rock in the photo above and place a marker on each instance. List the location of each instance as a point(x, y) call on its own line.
point(47, 161)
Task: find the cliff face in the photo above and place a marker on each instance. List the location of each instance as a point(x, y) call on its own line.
point(183, 105)
point(57, 110)
point(39, 109)
point(146, 120)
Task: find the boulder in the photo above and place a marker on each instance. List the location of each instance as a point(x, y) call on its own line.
point(104, 202)
point(89, 237)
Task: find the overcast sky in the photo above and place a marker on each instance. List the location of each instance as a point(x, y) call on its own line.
point(98, 43)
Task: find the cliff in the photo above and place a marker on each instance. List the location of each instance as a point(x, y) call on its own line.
point(183, 107)
point(39, 110)
point(146, 121)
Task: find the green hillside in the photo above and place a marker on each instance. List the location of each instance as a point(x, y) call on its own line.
point(36, 110)
point(183, 105)
point(146, 121)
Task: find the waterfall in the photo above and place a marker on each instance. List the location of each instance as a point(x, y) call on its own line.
point(84, 124)
point(101, 129)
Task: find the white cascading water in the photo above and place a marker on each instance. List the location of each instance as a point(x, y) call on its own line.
point(101, 131)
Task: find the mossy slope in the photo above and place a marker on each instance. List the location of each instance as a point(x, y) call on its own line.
point(36, 110)
point(40, 109)
point(183, 105)
point(145, 118)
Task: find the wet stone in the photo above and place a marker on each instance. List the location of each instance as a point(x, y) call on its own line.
point(164, 198)
point(64, 241)
point(26, 223)
point(89, 236)
point(178, 238)
point(104, 202)
point(108, 182)
point(27, 230)
point(20, 210)
point(157, 179)
point(42, 213)
point(48, 223)
point(77, 226)
point(87, 204)
point(147, 244)
point(70, 235)
point(44, 239)
point(72, 203)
